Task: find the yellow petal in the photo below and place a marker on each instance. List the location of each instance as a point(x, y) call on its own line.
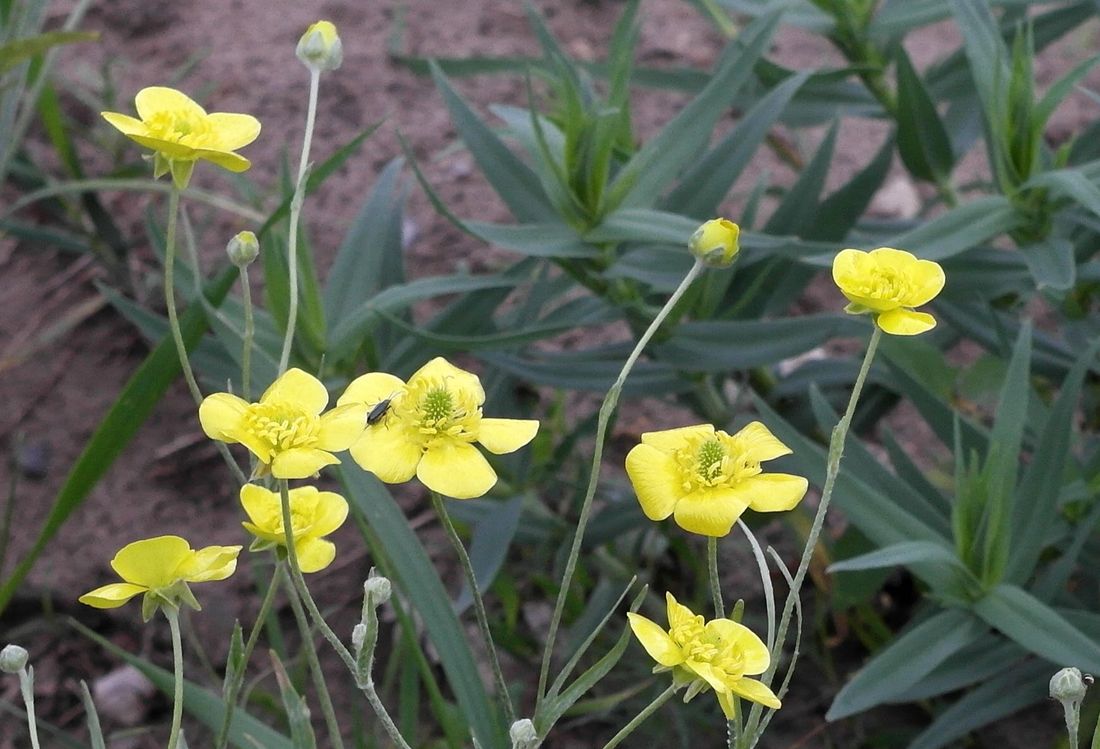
point(725, 701)
point(457, 379)
point(341, 426)
point(170, 148)
point(761, 443)
point(151, 562)
point(678, 614)
point(772, 492)
point(739, 638)
point(126, 124)
point(209, 563)
point(371, 388)
point(710, 512)
point(149, 101)
point(670, 440)
point(111, 596)
point(905, 322)
point(314, 554)
point(655, 640)
point(456, 469)
point(751, 689)
point(655, 476)
point(707, 673)
point(300, 388)
point(330, 513)
point(258, 504)
point(232, 162)
point(927, 281)
point(500, 436)
point(234, 130)
point(220, 415)
point(847, 266)
point(390, 452)
point(301, 462)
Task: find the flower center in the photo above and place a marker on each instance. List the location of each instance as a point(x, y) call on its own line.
point(282, 426)
point(438, 412)
point(181, 127)
point(714, 460)
point(706, 646)
point(884, 284)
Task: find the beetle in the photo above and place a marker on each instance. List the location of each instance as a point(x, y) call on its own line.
point(378, 412)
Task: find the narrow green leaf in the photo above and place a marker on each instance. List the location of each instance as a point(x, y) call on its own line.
point(134, 404)
point(837, 215)
point(20, 50)
point(974, 664)
point(1071, 184)
point(986, 52)
point(95, 732)
point(550, 239)
point(923, 143)
point(897, 555)
point(1035, 626)
point(593, 370)
point(795, 212)
point(492, 537)
point(1052, 263)
point(906, 660)
point(297, 711)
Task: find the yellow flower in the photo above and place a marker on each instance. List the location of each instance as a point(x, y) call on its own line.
point(888, 283)
point(313, 514)
point(719, 652)
point(716, 242)
point(161, 568)
point(426, 428)
point(180, 132)
point(708, 478)
point(285, 429)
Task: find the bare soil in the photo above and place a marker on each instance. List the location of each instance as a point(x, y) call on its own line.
point(57, 385)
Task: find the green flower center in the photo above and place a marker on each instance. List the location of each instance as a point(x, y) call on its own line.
point(438, 412)
point(714, 460)
point(282, 426)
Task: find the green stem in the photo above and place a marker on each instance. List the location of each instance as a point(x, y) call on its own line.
point(479, 606)
point(299, 584)
point(295, 214)
point(715, 583)
point(606, 409)
point(319, 684)
point(172, 615)
point(641, 717)
point(174, 323)
point(233, 688)
point(26, 687)
point(249, 332)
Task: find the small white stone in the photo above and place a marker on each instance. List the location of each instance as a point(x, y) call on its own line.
point(897, 199)
point(123, 695)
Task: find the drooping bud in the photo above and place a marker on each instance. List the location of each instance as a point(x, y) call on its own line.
point(377, 588)
point(716, 242)
point(243, 249)
point(1068, 685)
point(523, 734)
point(13, 659)
point(320, 47)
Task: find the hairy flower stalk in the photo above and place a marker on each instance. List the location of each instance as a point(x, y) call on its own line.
point(13, 660)
point(610, 401)
point(172, 615)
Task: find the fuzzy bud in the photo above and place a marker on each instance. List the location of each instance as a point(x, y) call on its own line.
point(377, 588)
point(523, 734)
point(1068, 685)
point(358, 636)
point(320, 47)
point(242, 249)
point(716, 242)
point(13, 659)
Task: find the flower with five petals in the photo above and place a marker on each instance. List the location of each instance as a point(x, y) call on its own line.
point(720, 653)
point(161, 568)
point(706, 478)
point(285, 430)
point(313, 515)
point(888, 284)
point(427, 428)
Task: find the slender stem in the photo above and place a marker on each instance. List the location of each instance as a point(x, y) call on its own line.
point(641, 717)
point(479, 606)
point(1073, 722)
point(295, 214)
point(234, 687)
point(249, 332)
point(715, 583)
point(299, 584)
point(173, 616)
point(319, 684)
point(174, 323)
point(26, 686)
point(836, 451)
point(606, 409)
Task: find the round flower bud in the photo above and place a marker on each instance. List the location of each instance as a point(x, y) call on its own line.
point(716, 242)
point(13, 659)
point(320, 47)
point(1068, 685)
point(378, 589)
point(523, 734)
point(243, 249)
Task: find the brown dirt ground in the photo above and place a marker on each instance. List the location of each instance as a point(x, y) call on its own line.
point(169, 479)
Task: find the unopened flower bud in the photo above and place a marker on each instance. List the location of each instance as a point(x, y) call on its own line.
point(378, 589)
point(523, 734)
point(243, 249)
point(716, 242)
point(13, 659)
point(358, 635)
point(320, 47)
point(1068, 685)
